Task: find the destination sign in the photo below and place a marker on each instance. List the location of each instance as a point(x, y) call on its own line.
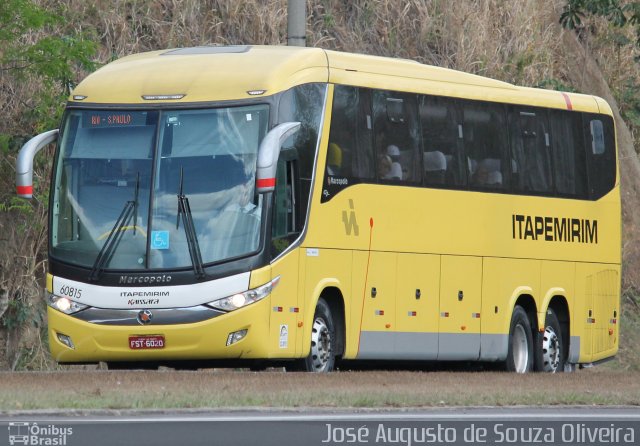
point(113, 119)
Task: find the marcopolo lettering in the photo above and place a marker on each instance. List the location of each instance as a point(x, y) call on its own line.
point(147, 280)
point(138, 297)
point(554, 229)
point(333, 181)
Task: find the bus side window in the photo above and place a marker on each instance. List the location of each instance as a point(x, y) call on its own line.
point(284, 200)
point(350, 151)
point(303, 104)
point(485, 145)
point(342, 140)
point(530, 149)
point(397, 138)
point(442, 139)
point(601, 157)
point(569, 157)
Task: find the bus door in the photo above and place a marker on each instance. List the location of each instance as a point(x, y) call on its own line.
point(286, 313)
point(460, 303)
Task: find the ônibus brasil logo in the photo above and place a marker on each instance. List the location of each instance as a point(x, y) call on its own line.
point(33, 434)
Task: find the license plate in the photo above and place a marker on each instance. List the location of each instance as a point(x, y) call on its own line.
point(146, 342)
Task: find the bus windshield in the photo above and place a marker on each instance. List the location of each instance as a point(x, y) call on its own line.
point(119, 175)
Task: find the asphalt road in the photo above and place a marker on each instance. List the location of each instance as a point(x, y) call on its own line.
point(455, 426)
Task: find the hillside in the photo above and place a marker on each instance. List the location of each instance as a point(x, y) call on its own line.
point(516, 41)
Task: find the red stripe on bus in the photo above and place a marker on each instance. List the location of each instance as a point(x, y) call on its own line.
point(266, 182)
point(24, 190)
point(567, 99)
point(366, 277)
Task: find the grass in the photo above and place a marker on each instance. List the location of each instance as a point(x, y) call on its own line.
point(87, 390)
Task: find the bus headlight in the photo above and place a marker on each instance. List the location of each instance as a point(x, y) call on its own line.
point(65, 305)
point(243, 299)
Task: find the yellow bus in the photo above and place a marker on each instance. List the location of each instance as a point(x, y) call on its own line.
point(274, 205)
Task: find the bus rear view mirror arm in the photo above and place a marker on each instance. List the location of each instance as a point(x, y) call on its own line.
point(24, 164)
point(268, 155)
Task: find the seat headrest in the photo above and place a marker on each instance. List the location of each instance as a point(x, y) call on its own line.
point(434, 161)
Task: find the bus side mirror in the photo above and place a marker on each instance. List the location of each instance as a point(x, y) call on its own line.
point(24, 163)
point(268, 155)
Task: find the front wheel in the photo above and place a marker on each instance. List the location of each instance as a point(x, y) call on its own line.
point(520, 353)
point(550, 352)
point(322, 354)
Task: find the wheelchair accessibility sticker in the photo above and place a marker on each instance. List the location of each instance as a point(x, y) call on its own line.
point(159, 239)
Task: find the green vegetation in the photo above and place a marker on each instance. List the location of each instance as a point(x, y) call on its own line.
point(39, 60)
point(34, 45)
point(622, 17)
point(618, 13)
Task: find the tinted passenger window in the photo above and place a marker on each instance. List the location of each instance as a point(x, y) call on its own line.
point(350, 153)
point(530, 150)
point(350, 150)
point(442, 138)
point(569, 163)
point(396, 136)
point(485, 145)
point(601, 157)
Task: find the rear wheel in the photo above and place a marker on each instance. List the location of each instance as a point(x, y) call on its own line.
point(550, 351)
point(323, 335)
point(520, 353)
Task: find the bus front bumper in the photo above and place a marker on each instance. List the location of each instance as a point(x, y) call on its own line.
point(88, 342)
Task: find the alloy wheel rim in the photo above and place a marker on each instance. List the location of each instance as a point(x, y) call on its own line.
point(550, 350)
point(320, 345)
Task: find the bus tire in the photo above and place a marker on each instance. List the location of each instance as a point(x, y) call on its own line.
point(520, 353)
point(321, 357)
point(550, 352)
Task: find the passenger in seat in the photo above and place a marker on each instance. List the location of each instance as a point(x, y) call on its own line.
point(384, 165)
point(484, 176)
point(395, 170)
point(481, 176)
point(334, 159)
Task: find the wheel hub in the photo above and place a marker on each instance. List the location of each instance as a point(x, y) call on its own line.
point(550, 351)
point(320, 345)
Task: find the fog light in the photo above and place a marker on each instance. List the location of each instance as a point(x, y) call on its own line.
point(66, 340)
point(236, 336)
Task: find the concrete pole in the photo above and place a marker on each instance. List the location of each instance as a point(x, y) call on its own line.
point(296, 22)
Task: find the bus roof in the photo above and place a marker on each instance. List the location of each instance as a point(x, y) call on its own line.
point(219, 73)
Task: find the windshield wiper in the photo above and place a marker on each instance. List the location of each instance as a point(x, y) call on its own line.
point(184, 211)
point(115, 235)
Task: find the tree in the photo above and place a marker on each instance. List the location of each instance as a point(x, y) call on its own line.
point(35, 44)
point(40, 55)
point(618, 14)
